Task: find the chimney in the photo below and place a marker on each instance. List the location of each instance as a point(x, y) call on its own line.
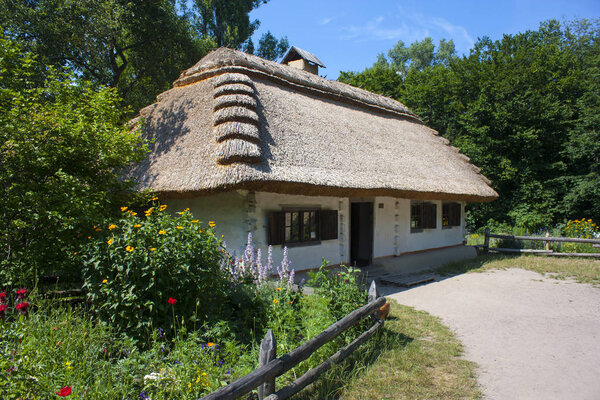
point(303, 60)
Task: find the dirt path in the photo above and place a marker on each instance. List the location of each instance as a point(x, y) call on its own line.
point(533, 337)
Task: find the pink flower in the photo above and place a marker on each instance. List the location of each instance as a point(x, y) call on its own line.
point(172, 301)
point(22, 307)
point(64, 392)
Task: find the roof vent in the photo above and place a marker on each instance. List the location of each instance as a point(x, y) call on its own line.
point(303, 60)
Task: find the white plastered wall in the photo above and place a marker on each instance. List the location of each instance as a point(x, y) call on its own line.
point(238, 212)
point(393, 235)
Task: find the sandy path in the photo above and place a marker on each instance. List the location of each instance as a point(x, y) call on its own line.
point(533, 337)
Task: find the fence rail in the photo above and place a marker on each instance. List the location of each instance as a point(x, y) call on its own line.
point(546, 239)
point(271, 367)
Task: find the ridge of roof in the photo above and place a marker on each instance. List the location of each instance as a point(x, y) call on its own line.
point(225, 60)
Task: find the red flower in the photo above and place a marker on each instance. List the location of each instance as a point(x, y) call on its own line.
point(172, 301)
point(3, 308)
point(2, 297)
point(21, 293)
point(22, 307)
point(64, 392)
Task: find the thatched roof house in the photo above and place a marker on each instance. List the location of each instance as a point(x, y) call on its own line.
point(240, 127)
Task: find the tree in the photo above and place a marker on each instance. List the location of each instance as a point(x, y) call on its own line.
point(523, 108)
point(115, 43)
point(61, 147)
point(270, 48)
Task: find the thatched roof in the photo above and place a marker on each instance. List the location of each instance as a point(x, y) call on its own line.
point(236, 121)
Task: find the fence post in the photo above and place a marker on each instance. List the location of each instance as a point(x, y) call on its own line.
point(547, 242)
point(268, 352)
point(486, 241)
point(373, 293)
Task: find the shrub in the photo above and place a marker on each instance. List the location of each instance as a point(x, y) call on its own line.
point(584, 229)
point(135, 265)
point(61, 145)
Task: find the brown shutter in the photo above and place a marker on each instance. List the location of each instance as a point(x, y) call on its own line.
point(329, 224)
point(429, 215)
point(276, 228)
point(454, 217)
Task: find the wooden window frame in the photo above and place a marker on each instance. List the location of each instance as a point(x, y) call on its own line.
point(301, 241)
point(420, 218)
point(451, 215)
point(326, 226)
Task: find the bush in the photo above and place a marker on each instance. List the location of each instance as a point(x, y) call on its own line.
point(61, 145)
point(583, 229)
point(136, 267)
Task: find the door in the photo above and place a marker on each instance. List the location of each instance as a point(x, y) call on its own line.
point(361, 233)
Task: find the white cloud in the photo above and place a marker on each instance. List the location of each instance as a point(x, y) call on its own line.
point(409, 27)
point(325, 21)
point(375, 29)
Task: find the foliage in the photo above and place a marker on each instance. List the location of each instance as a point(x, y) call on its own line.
point(134, 265)
point(522, 108)
point(111, 42)
point(55, 346)
point(584, 229)
point(61, 145)
point(122, 44)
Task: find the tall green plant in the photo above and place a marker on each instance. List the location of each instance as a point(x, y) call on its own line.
point(61, 146)
point(161, 271)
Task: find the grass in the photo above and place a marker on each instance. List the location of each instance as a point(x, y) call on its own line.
point(414, 357)
point(580, 269)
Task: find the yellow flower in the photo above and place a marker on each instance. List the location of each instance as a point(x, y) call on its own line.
point(110, 241)
point(194, 221)
point(204, 374)
point(111, 227)
point(179, 227)
point(137, 226)
point(155, 198)
point(211, 224)
point(152, 248)
point(161, 232)
point(98, 229)
point(68, 365)
point(210, 344)
point(278, 289)
point(180, 212)
point(129, 248)
point(275, 301)
point(104, 280)
point(133, 214)
point(163, 207)
point(89, 237)
point(123, 209)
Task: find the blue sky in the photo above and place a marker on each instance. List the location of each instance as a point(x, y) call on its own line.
point(348, 35)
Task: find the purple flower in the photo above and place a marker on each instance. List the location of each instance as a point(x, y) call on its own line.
point(143, 395)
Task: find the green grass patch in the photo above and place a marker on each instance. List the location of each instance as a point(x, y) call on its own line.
point(580, 269)
point(414, 357)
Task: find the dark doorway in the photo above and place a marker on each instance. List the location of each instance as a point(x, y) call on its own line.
point(361, 233)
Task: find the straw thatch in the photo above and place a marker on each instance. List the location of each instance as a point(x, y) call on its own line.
point(235, 121)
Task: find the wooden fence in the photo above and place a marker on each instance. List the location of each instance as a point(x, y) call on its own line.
point(271, 367)
point(545, 239)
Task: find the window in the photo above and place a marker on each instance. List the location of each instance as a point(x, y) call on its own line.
point(302, 226)
point(451, 215)
point(422, 216)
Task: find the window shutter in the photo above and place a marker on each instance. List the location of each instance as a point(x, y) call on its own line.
point(276, 227)
point(329, 224)
point(429, 215)
point(454, 217)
